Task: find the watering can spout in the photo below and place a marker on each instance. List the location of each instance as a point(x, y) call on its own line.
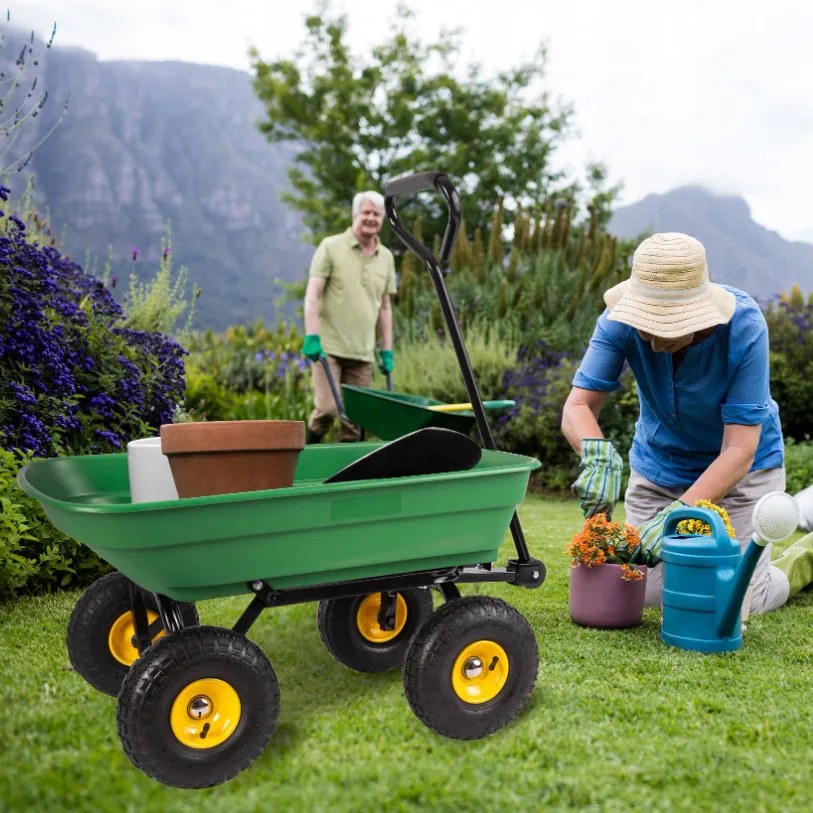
point(775, 518)
point(734, 591)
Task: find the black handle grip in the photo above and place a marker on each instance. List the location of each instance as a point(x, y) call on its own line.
point(417, 183)
point(410, 184)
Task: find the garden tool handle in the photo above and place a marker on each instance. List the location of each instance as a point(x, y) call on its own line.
point(410, 184)
point(389, 382)
point(692, 512)
point(332, 384)
point(465, 407)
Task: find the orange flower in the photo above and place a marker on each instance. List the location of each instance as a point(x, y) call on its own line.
point(601, 541)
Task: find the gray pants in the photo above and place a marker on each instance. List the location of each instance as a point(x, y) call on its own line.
point(769, 585)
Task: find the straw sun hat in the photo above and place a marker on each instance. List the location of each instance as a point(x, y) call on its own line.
point(669, 293)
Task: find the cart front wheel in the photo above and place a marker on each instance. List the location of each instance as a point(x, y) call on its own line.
point(471, 668)
point(198, 707)
point(101, 631)
point(353, 634)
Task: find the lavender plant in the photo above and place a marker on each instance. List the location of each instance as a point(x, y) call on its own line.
point(73, 377)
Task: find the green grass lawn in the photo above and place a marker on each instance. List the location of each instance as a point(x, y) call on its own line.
point(617, 722)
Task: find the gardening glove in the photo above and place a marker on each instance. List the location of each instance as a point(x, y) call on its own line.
point(386, 361)
point(599, 483)
point(312, 347)
point(651, 533)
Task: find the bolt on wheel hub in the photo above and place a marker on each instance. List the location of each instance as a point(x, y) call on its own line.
point(199, 707)
point(472, 668)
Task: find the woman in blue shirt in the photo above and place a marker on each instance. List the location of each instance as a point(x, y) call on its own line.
point(708, 427)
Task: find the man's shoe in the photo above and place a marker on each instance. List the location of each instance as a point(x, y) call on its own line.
point(313, 437)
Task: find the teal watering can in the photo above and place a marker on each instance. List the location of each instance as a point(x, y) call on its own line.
point(705, 577)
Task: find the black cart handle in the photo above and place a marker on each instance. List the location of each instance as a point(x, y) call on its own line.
point(442, 182)
point(409, 185)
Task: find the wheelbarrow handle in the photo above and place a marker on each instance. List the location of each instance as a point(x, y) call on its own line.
point(443, 184)
point(410, 184)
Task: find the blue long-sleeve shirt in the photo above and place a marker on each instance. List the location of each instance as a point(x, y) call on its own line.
point(723, 379)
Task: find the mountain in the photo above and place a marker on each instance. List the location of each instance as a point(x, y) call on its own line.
point(740, 252)
point(147, 144)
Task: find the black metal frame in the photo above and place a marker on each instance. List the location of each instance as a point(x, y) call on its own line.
point(521, 574)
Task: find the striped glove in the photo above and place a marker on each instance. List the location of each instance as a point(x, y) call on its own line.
point(651, 533)
point(599, 483)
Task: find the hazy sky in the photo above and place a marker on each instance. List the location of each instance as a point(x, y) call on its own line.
point(666, 93)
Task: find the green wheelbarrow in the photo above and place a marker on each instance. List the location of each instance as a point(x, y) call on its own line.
point(196, 704)
point(389, 415)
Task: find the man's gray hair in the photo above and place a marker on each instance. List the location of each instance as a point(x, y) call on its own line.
point(376, 198)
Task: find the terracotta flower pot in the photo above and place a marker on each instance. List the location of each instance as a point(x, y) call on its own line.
point(599, 597)
point(221, 457)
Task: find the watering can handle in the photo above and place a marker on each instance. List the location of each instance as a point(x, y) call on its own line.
point(703, 514)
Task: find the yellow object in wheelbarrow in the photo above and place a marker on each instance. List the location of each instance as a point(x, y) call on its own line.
point(467, 407)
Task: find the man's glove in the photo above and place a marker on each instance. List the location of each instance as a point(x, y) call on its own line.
point(312, 347)
point(599, 483)
point(386, 361)
point(651, 533)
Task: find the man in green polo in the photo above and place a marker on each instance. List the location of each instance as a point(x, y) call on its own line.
point(351, 280)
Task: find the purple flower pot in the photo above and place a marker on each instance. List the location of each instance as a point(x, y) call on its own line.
point(599, 597)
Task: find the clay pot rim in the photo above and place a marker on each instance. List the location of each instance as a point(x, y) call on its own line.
point(232, 436)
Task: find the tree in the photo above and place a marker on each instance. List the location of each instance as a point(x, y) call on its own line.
point(404, 107)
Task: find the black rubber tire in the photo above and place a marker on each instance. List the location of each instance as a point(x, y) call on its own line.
point(338, 628)
point(89, 626)
point(165, 669)
point(429, 665)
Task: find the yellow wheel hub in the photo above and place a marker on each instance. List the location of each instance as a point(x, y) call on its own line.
point(480, 672)
point(367, 619)
point(120, 637)
point(205, 713)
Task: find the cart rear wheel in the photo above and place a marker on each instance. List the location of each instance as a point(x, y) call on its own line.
point(351, 631)
point(198, 707)
point(101, 631)
point(471, 668)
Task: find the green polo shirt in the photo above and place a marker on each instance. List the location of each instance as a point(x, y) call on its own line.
point(356, 284)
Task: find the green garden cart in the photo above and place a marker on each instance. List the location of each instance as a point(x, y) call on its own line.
point(196, 704)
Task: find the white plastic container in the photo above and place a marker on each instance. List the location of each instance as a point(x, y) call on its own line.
point(150, 474)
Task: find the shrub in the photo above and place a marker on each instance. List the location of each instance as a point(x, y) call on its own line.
point(798, 465)
point(35, 556)
point(74, 378)
point(248, 372)
point(790, 325)
point(540, 383)
point(430, 367)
